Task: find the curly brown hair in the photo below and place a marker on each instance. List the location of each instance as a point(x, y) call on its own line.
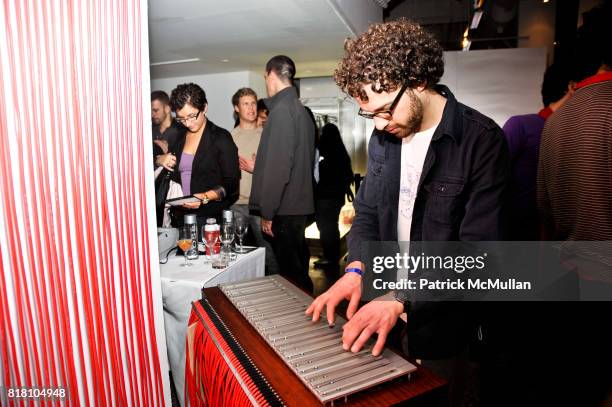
point(388, 55)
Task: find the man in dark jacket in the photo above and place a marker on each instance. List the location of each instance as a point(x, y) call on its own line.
point(437, 171)
point(282, 179)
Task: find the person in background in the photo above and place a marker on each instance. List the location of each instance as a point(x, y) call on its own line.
point(523, 135)
point(335, 178)
point(282, 191)
point(165, 129)
point(247, 137)
point(206, 159)
point(574, 196)
point(262, 113)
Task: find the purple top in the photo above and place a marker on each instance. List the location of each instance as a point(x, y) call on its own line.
point(185, 171)
point(523, 134)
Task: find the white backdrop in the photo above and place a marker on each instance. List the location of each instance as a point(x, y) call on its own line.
point(499, 82)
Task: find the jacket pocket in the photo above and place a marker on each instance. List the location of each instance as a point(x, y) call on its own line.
point(443, 204)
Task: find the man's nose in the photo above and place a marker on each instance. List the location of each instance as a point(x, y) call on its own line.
point(380, 123)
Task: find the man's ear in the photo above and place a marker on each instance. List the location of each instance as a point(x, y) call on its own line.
point(167, 109)
point(205, 108)
point(236, 109)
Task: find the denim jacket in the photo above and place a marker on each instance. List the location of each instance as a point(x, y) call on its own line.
point(459, 197)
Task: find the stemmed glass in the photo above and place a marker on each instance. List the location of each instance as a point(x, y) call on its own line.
point(242, 226)
point(184, 242)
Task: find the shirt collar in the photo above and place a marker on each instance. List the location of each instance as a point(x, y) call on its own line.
point(545, 113)
point(600, 77)
point(289, 92)
point(451, 121)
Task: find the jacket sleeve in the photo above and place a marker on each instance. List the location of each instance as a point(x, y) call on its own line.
point(365, 226)
point(279, 162)
point(228, 163)
point(484, 210)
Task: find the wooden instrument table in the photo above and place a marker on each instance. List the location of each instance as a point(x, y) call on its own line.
point(421, 389)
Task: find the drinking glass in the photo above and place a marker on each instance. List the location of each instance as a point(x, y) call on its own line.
point(184, 242)
point(210, 241)
point(242, 226)
point(227, 238)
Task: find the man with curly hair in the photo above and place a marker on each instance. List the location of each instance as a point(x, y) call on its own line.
point(437, 171)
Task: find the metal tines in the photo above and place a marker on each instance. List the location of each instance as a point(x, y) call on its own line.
point(275, 308)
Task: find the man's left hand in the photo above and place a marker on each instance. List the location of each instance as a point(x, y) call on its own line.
point(163, 144)
point(266, 227)
point(378, 316)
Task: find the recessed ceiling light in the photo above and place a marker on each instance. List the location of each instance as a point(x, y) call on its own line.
point(178, 61)
point(225, 60)
point(545, 1)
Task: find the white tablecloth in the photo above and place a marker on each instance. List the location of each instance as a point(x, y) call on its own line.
point(182, 285)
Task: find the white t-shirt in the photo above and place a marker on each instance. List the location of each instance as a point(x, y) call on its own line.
point(414, 149)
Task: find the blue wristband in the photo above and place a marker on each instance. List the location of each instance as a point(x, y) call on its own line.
point(354, 270)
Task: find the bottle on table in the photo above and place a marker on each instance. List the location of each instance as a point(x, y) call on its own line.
point(191, 222)
point(212, 232)
point(228, 219)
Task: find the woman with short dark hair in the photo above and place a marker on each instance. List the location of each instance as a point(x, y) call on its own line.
point(206, 158)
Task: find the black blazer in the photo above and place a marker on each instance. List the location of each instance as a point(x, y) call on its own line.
point(215, 165)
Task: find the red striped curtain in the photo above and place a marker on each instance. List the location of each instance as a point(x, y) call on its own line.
point(80, 299)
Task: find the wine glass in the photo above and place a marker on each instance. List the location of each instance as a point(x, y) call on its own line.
point(184, 242)
point(242, 226)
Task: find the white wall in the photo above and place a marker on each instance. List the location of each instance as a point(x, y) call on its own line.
point(219, 90)
point(258, 84)
point(499, 82)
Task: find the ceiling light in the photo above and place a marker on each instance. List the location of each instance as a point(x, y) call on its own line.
point(225, 60)
point(545, 1)
point(178, 61)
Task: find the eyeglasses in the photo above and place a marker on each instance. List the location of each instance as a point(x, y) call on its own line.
point(387, 113)
point(190, 118)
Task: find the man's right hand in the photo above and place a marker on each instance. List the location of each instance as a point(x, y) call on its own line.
point(168, 161)
point(246, 164)
point(348, 287)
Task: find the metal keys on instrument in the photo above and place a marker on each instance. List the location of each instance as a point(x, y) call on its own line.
point(275, 308)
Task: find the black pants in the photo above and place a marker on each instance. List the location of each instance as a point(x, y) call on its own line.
point(326, 215)
point(290, 248)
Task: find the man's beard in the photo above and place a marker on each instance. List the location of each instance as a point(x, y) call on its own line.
point(415, 116)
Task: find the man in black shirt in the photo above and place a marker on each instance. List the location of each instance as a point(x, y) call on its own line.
point(437, 171)
point(165, 129)
point(282, 190)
